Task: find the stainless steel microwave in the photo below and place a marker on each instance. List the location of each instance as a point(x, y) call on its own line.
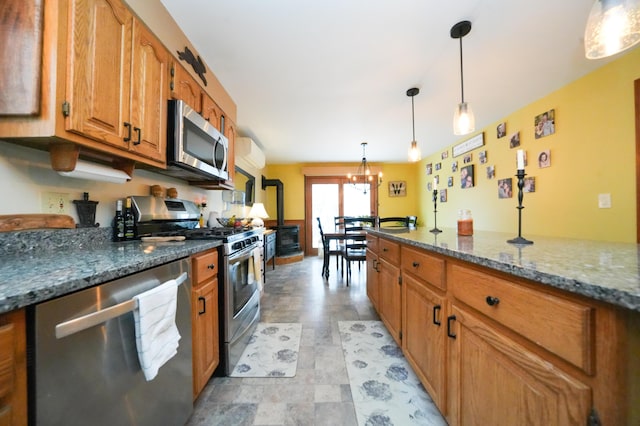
point(196, 150)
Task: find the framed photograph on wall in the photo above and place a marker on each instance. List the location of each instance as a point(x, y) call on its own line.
point(545, 124)
point(544, 159)
point(505, 188)
point(443, 195)
point(429, 168)
point(514, 140)
point(466, 177)
point(398, 188)
point(529, 184)
point(491, 172)
point(450, 181)
point(501, 130)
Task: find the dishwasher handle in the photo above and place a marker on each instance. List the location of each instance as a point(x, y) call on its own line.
point(75, 325)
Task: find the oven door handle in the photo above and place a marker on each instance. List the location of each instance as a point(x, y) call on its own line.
point(76, 325)
point(245, 253)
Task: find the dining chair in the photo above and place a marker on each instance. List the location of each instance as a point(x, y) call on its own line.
point(355, 241)
point(394, 221)
point(327, 252)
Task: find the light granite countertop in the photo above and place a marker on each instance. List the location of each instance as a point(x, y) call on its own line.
point(609, 272)
point(30, 275)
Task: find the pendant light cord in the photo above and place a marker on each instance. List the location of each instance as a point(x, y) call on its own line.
point(413, 119)
point(461, 72)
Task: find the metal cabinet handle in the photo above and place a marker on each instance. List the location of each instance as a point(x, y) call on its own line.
point(75, 325)
point(128, 127)
point(385, 249)
point(139, 138)
point(450, 319)
point(492, 301)
point(415, 264)
point(204, 305)
point(211, 266)
point(436, 309)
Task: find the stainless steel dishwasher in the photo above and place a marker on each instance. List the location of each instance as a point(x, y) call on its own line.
point(84, 367)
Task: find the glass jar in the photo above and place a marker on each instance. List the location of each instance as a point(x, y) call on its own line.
point(465, 222)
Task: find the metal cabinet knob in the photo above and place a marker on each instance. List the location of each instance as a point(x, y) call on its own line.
point(492, 301)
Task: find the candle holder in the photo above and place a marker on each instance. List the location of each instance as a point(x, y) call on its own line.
point(435, 229)
point(520, 174)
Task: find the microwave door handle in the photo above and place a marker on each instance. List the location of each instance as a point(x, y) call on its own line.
point(76, 325)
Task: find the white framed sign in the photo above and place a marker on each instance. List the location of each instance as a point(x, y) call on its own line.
point(468, 145)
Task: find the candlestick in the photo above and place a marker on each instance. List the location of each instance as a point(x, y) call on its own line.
point(435, 229)
point(520, 174)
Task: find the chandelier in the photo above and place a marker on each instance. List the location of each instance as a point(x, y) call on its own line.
point(362, 179)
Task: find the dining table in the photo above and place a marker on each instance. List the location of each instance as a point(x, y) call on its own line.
point(360, 235)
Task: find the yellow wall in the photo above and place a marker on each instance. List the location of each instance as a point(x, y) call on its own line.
point(292, 176)
point(592, 152)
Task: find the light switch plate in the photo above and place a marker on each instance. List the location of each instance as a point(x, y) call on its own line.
point(604, 201)
point(55, 202)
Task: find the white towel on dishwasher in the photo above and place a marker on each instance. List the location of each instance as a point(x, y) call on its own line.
point(157, 335)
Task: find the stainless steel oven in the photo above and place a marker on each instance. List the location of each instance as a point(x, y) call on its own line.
point(240, 298)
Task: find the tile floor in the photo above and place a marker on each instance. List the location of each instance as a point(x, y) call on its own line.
point(319, 394)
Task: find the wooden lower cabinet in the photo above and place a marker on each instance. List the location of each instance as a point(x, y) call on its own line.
point(13, 369)
point(390, 302)
point(495, 349)
point(423, 337)
point(205, 331)
point(373, 288)
point(495, 381)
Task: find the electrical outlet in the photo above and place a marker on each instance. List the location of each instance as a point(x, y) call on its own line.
point(604, 201)
point(55, 202)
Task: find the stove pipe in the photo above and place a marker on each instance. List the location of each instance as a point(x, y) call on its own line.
point(279, 197)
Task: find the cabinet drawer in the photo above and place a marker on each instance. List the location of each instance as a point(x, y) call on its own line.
point(561, 326)
point(205, 266)
point(372, 243)
point(425, 266)
point(389, 251)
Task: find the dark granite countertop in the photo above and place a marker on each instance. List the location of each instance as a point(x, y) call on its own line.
point(32, 273)
point(609, 272)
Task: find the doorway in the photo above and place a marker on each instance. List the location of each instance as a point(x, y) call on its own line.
point(329, 196)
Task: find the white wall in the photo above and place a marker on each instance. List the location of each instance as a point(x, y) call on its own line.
point(26, 173)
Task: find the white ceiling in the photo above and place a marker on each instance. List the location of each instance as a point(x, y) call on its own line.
point(314, 79)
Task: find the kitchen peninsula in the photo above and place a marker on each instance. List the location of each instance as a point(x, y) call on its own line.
point(498, 332)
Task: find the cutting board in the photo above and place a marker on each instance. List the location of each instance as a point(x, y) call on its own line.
point(17, 222)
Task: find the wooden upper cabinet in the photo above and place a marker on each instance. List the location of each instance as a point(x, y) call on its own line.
point(185, 87)
point(117, 76)
point(99, 70)
point(20, 71)
point(212, 112)
point(150, 67)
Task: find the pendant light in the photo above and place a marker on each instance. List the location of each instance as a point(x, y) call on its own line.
point(612, 26)
point(362, 179)
point(414, 149)
point(463, 120)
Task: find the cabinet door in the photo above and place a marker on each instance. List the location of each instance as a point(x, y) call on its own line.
point(495, 381)
point(99, 70)
point(206, 346)
point(390, 298)
point(185, 87)
point(423, 337)
point(373, 290)
point(149, 70)
point(211, 112)
point(13, 369)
